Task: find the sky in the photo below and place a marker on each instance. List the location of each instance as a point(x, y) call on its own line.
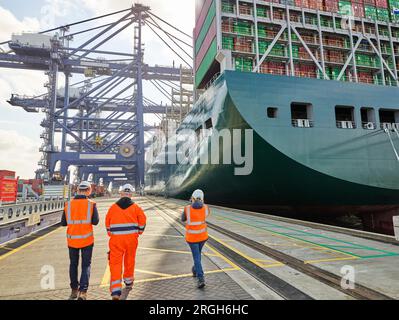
point(19, 130)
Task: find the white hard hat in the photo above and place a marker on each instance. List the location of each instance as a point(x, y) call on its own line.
point(198, 194)
point(128, 188)
point(84, 185)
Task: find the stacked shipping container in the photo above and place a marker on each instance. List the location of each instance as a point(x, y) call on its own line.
point(239, 35)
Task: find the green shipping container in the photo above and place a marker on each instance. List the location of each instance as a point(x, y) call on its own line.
point(243, 64)
point(261, 32)
point(228, 43)
point(295, 51)
point(370, 12)
point(278, 49)
point(243, 28)
point(382, 14)
point(345, 8)
point(227, 7)
point(326, 22)
point(261, 12)
point(263, 45)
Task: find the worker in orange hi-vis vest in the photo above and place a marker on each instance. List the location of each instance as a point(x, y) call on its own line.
point(195, 216)
point(80, 214)
point(125, 222)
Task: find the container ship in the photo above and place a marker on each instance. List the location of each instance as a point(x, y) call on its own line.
point(317, 82)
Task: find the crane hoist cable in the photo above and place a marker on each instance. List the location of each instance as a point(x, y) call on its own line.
point(168, 35)
point(76, 23)
point(170, 25)
point(169, 46)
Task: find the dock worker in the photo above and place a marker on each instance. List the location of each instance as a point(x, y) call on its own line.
point(195, 216)
point(125, 222)
point(80, 214)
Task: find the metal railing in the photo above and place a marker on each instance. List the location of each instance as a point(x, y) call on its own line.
point(302, 123)
point(21, 211)
point(390, 126)
point(346, 125)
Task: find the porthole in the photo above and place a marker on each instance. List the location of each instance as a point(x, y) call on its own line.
point(272, 113)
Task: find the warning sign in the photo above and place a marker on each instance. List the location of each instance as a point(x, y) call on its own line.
point(33, 219)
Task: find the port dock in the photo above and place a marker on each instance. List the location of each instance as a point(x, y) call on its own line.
point(248, 256)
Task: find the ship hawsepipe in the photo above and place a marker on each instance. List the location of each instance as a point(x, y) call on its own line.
point(317, 170)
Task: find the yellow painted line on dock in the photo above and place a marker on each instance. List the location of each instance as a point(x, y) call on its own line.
point(160, 235)
point(265, 260)
point(329, 260)
point(153, 273)
point(169, 277)
point(227, 260)
point(106, 277)
point(174, 251)
point(253, 260)
point(28, 244)
point(272, 265)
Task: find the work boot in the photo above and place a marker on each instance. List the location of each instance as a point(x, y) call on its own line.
point(129, 286)
point(74, 294)
point(126, 290)
point(82, 295)
point(193, 271)
point(116, 297)
point(201, 283)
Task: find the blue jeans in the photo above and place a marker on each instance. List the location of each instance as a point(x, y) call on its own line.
point(196, 249)
point(87, 252)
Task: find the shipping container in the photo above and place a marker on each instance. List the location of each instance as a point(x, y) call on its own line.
point(240, 31)
point(8, 189)
point(7, 174)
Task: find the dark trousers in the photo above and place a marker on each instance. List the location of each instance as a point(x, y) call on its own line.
point(87, 252)
point(196, 250)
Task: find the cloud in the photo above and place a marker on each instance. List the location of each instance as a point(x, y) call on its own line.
point(19, 150)
point(10, 24)
point(18, 153)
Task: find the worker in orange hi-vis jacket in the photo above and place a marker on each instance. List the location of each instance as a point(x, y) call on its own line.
point(125, 222)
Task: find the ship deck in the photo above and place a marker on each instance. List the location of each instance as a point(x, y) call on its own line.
point(248, 256)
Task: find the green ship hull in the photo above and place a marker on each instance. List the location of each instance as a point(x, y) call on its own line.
point(319, 170)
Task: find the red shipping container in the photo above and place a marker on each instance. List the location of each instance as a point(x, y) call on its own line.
point(331, 5)
point(8, 189)
point(358, 9)
point(381, 4)
point(369, 2)
point(302, 3)
point(365, 77)
point(7, 173)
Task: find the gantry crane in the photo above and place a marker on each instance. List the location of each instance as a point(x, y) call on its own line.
point(101, 118)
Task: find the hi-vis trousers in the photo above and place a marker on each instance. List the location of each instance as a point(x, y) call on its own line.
point(122, 257)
